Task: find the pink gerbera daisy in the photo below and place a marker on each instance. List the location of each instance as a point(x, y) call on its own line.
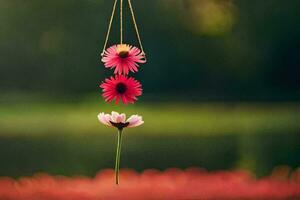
point(123, 58)
point(121, 87)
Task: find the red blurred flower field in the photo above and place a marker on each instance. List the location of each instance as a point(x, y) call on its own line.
point(175, 184)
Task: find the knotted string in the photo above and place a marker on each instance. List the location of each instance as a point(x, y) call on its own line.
point(121, 26)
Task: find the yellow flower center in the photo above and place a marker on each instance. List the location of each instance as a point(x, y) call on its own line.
point(123, 50)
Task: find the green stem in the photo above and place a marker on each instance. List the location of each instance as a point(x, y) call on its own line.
point(118, 156)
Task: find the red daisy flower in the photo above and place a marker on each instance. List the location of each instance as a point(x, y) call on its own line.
point(121, 87)
point(123, 58)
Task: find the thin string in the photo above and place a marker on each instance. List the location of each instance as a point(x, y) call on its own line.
point(121, 21)
point(136, 28)
point(109, 27)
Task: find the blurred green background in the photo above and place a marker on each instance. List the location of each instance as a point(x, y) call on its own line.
point(221, 86)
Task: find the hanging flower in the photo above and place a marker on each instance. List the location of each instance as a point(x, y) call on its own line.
point(123, 58)
point(119, 120)
point(121, 87)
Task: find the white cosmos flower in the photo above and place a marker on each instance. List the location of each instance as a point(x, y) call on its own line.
point(119, 120)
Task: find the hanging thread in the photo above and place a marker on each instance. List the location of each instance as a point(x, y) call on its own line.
point(136, 28)
point(121, 21)
point(109, 27)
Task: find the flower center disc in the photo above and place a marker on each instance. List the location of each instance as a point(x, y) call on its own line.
point(123, 54)
point(121, 88)
point(120, 125)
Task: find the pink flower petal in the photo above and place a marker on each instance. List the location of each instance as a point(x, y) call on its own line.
point(135, 121)
point(104, 119)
